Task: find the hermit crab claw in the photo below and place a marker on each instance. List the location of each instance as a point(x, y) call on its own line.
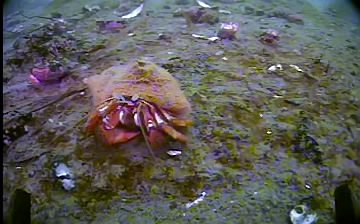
point(117, 135)
point(96, 116)
point(173, 133)
point(92, 122)
point(156, 137)
point(162, 118)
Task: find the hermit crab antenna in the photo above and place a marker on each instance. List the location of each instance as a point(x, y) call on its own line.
point(143, 132)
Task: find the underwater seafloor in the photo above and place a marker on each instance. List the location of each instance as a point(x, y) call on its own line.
point(262, 141)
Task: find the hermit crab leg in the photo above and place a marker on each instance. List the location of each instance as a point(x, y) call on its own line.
point(176, 122)
point(93, 120)
point(181, 123)
point(115, 99)
point(112, 119)
point(169, 130)
point(102, 110)
point(169, 118)
point(173, 133)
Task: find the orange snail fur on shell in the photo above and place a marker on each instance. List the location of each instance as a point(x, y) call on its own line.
point(138, 98)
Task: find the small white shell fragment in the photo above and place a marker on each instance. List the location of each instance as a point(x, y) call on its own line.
point(51, 120)
point(301, 215)
point(277, 96)
point(203, 4)
point(18, 28)
point(213, 38)
point(82, 93)
point(199, 199)
point(224, 11)
point(131, 34)
point(134, 13)
point(275, 67)
point(296, 68)
point(94, 8)
point(61, 20)
point(269, 132)
point(199, 36)
point(174, 152)
point(205, 37)
point(261, 115)
point(225, 58)
point(272, 68)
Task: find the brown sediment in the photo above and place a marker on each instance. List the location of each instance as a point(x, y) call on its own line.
point(144, 79)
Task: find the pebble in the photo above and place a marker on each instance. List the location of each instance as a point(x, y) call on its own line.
point(68, 184)
point(219, 53)
point(62, 171)
point(31, 173)
point(84, 67)
point(301, 214)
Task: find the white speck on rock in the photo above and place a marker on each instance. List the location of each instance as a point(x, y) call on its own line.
point(197, 201)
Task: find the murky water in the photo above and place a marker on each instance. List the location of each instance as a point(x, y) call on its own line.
point(274, 88)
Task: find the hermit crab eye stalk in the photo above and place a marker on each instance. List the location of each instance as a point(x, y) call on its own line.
point(119, 96)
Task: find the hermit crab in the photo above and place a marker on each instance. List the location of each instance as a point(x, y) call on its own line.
point(140, 98)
